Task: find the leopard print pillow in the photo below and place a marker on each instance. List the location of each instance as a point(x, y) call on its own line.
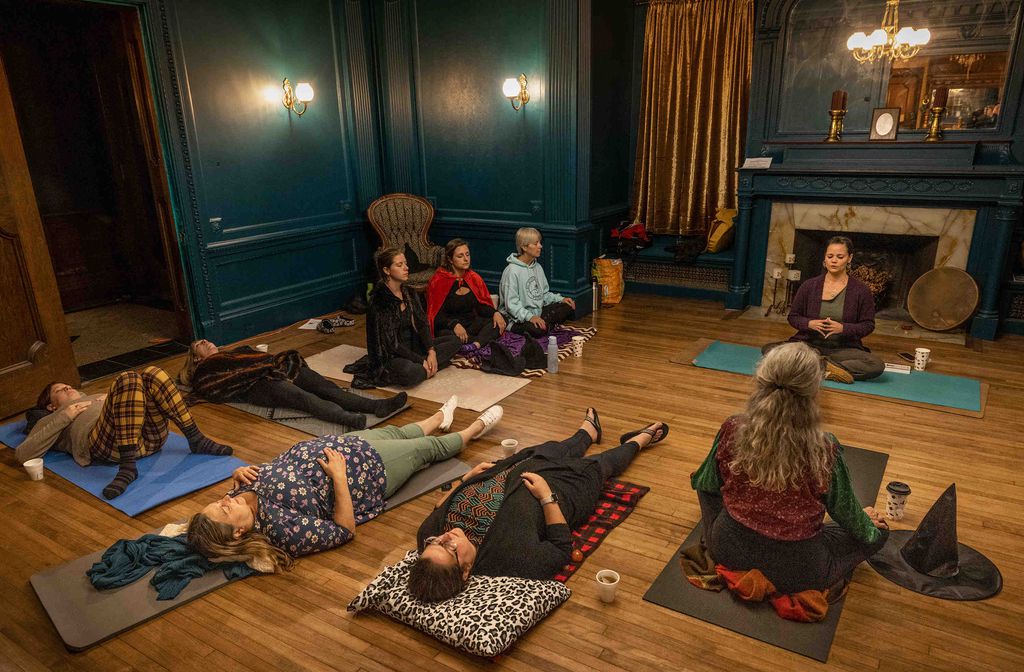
point(485, 619)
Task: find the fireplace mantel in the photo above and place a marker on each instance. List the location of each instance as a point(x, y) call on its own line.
point(995, 192)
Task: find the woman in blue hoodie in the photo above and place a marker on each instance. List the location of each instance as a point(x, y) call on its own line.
point(525, 298)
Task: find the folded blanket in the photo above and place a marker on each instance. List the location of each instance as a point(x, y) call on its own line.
point(176, 564)
point(807, 606)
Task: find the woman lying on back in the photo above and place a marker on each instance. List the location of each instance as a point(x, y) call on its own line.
point(281, 380)
point(311, 497)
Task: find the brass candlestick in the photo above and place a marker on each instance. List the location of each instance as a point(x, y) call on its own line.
point(835, 129)
point(935, 125)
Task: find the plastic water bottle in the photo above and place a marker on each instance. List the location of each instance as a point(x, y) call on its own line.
point(552, 354)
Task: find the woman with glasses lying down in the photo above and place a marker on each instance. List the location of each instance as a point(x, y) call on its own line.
point(515, 518)
point(311, 497)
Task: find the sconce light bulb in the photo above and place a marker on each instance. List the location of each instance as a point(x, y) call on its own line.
point(510, 88)
point(906, 35)
point(856, 41)
point(304, 92)
point(922, 36)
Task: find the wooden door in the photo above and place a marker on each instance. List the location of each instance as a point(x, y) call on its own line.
point(145, 113)
point(34, 344)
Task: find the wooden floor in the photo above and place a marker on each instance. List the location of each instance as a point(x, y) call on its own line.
point(298, 621)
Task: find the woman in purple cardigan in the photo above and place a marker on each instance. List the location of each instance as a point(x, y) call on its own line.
point(832, 313)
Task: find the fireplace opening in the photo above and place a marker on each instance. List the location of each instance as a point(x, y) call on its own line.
point(887, 263)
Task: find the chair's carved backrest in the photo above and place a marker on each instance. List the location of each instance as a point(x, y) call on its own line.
point(401, 219)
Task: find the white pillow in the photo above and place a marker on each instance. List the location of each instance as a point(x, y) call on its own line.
point(485, 619)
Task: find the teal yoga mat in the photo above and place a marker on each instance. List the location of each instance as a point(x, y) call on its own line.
point(919, 386)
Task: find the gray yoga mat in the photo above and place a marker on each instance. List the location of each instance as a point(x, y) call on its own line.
point(759, 620)
point(304, 422)
point(85, 616)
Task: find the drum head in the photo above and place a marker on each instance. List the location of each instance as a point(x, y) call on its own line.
point(943, 298)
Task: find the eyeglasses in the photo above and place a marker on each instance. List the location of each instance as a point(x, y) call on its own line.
point(450, 545)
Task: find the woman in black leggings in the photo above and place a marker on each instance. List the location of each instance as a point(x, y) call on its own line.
point(401, 350)
point(279, 380)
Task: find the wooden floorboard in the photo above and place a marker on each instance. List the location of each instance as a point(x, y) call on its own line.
point(298, 621)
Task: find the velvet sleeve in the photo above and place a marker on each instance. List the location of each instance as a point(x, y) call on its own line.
point(841, 503)
point(865, 320)
point(420, 323)
point(798, 317)
point(706, 478)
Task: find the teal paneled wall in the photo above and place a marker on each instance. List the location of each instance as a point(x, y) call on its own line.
point(451, 136)
point(275, 232)
point(270, 207)
point(481, 159)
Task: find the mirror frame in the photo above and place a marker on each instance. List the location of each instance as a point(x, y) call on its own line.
point(772, 42)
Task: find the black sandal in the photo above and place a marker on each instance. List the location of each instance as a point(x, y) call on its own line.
point(657, 435)
point(595, 422)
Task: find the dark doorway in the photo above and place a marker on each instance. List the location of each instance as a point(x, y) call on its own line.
point(83, 102)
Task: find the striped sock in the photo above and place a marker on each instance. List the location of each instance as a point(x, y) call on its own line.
point(201, 444)
point(207, 446)
point(126, 473)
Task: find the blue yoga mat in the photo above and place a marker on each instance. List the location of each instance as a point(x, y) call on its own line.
point(919, 386)
point(170, 473)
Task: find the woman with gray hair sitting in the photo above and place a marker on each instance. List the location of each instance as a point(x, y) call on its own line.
point(771, 476)
point(529, 305)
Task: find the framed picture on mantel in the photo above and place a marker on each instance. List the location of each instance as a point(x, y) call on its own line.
point(884, 123)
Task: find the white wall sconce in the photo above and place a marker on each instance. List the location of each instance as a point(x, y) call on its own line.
point(298, 99)
point(515, 91)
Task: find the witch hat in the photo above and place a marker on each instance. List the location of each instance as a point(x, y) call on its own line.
point(932, 562)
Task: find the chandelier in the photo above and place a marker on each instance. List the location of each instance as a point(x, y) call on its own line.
point(890, 41)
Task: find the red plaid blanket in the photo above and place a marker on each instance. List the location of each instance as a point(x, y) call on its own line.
point(617, 501)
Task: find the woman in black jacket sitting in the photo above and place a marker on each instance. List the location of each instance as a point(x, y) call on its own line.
point(401, 350)
point(515, 518)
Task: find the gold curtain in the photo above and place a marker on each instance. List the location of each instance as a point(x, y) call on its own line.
point(693, 111)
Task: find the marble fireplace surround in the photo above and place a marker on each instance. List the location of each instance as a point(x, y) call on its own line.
point(953, 227)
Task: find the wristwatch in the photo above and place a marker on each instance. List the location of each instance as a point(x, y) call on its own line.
point(550, 499)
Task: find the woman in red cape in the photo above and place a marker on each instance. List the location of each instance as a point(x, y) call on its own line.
point(458, 301)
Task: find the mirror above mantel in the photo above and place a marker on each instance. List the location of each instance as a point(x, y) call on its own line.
point(969, 51)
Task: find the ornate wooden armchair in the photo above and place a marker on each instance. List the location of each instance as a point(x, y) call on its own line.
point(402, 221)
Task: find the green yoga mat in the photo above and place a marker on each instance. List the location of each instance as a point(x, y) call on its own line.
point(919, 386)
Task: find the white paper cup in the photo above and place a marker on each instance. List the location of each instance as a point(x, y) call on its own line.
point(921, 358)
point(509, 447)
point(577, 346)
point(607, 583)
point(34, 469)
point(262, 347)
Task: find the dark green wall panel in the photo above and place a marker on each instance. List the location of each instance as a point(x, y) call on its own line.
point(480, 157)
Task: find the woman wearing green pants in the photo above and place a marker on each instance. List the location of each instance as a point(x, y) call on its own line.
point(311, 497)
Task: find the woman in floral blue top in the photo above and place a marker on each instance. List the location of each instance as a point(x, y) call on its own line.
point(311, 497)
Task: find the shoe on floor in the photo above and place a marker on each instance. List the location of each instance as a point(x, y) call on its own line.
point(837, 373)
point(490, 418)
point(448, 411)
point(341, 321)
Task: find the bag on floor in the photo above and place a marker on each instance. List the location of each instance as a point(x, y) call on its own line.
point(610, 278)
